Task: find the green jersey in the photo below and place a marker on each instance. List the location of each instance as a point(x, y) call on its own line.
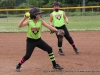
point(58, 18)
point(34, 29)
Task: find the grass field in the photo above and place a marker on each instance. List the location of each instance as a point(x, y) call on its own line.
point(76, 23)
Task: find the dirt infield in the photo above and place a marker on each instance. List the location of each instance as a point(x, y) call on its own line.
point(12, 49)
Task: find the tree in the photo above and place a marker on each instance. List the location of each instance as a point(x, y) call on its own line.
point(38, 3)
point(8, 3)
point(18, 2)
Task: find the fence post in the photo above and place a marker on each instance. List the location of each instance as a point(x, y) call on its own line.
point(7, 16)
point(92, 13)
point(83, 10)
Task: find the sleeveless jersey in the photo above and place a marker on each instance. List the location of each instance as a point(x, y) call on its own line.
point(58, 19)
point(34, 29)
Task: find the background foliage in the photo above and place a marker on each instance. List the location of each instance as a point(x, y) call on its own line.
point(44, 3)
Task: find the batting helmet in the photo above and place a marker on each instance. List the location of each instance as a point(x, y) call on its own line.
point(35, 11)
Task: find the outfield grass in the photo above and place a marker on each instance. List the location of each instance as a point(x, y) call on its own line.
point(84, 23)
point(76, 23)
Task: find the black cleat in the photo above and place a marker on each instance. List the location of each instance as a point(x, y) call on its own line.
point(57, 66)
point(76, 51)
point(18, 68)
point(61, 53)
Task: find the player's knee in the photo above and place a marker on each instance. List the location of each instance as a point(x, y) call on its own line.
point(26, 57)
point(70, 40)
point(49, 50)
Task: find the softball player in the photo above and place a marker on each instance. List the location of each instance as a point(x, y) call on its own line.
point(31, 7)
point(34, 37)
point(58, 19)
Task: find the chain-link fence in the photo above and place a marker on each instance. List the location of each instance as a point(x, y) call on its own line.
point(78, 20)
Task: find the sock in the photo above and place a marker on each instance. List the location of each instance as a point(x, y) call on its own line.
point(60, 48)
point(73, 45)
point(21, 62)
point(51, 55)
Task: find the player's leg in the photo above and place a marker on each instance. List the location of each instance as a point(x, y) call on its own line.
point(29, 49)
point(60, 52)
point(44, 46)
point(70, 40)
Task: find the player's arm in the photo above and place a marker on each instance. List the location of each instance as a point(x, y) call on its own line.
point(65, 17)
point(51, 19)
point(48, 26)
point(23, 22)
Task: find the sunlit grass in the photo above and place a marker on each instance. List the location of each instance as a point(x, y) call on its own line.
point(78, 23)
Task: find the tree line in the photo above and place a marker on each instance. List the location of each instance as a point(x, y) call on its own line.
point(44, 3)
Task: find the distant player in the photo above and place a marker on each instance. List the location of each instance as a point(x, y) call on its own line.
point(31, 7)
point(58, 19)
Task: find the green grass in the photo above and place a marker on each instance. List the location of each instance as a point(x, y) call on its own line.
point(84, 23)
point(76, 23)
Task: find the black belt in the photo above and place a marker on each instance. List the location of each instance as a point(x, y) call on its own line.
point(30, 39)
point(61, 27)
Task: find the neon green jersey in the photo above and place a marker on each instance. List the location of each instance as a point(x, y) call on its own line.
point(34, 29)
point(58, 19)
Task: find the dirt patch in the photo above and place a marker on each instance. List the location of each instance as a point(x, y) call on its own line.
point(13, 45)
